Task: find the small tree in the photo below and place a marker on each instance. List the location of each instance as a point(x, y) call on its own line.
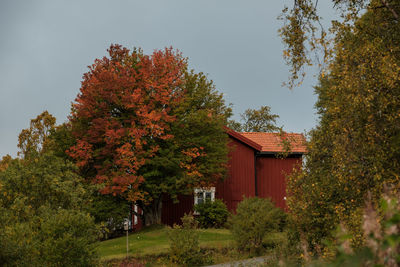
point(33, 140)
point(254, 219)
point(4, 162)
point(256, 120)
point(184, 242)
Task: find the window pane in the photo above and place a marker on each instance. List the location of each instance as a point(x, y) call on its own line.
point(200, 197)
point(208, 196)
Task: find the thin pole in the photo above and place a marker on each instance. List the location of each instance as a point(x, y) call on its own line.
point(127, 244)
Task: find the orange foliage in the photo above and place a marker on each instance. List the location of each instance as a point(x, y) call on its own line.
point(124, 104)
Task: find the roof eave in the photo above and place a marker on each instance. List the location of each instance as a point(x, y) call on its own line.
point(277, 152)
point(243, 139)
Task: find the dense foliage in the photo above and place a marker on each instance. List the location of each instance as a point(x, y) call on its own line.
point(211, 213)
point(255, 120)
point(184, 243)
point(197, 152)
point(146, 126)
point(4, 162)
point(123, 108)
point(354, 150)
point(110, 213)
point(43, 217)
point(381, 228)
point(304, 35)
point(254, 219)
point(34, 140)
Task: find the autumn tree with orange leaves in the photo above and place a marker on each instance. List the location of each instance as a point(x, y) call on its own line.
point(129, 122)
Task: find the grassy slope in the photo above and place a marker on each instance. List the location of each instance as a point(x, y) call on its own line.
point(155, 241)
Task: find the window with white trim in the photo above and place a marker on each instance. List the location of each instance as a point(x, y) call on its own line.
point(201, 195)
point(135, 218)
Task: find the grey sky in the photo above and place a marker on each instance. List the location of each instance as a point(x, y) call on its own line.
point(46, 46)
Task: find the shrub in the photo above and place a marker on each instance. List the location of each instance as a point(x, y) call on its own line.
point(212, 213)
point(110, 212)
point(184, 242)
point(254, 219)
point(43, 217)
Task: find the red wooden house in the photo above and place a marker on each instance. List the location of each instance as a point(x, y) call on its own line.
point(255, 169)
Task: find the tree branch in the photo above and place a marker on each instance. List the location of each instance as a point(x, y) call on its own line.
point(391, 9)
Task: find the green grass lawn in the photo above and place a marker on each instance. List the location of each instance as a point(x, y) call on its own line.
point(155, 241)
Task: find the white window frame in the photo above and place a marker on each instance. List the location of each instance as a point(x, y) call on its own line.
point(204, 191)
point(135, 218)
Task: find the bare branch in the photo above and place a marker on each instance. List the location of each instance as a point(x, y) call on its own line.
point(395, 15)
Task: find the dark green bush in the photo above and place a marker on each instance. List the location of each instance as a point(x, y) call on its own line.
point(212, 214)
point(184, 243)
point(43, 217)
point(254, 219)
point(110, 212)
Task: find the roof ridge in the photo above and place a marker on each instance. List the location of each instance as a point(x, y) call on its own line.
point(270, 142)
point(269, 133)
point(257, 133)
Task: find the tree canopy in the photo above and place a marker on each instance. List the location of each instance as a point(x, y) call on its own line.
point(144, 126)
point(353, 152)
point(124, 105)
point(304, 34)
point(43, 221)
point(256, 120)
point(196, 155)
point(34, 139)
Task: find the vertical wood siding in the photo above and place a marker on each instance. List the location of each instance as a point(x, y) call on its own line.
point(173, 212)
point(139, 224)
point(240, 178)
point(271, 177)
point(240, 181)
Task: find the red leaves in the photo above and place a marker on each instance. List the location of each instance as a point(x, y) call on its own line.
point(190, 163)
point(123, 106)
point(82, 152)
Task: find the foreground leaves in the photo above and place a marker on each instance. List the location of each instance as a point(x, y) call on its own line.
point(43, 221)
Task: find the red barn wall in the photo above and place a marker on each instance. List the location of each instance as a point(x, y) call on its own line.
point(172, 213)
point(240, 179)
point(139, 224)
point(271, 177)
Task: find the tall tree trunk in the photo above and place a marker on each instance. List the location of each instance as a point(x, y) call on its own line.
point(152, 212)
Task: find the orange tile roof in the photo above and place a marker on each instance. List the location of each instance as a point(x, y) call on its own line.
point(272, 142)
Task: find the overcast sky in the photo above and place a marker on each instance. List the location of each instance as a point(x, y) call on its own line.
point(46, 46)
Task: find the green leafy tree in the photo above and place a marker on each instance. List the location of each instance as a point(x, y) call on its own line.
point(196, 156)
point(33, 140)
point(254, 219)
point(354, 150)
point(108, 211)
point(60, 139)
point(256, 120)
point(44, 205)
point(4, 162)
point(146, 126)
point(184, 245)
point(44, 221)
point(306, 39)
